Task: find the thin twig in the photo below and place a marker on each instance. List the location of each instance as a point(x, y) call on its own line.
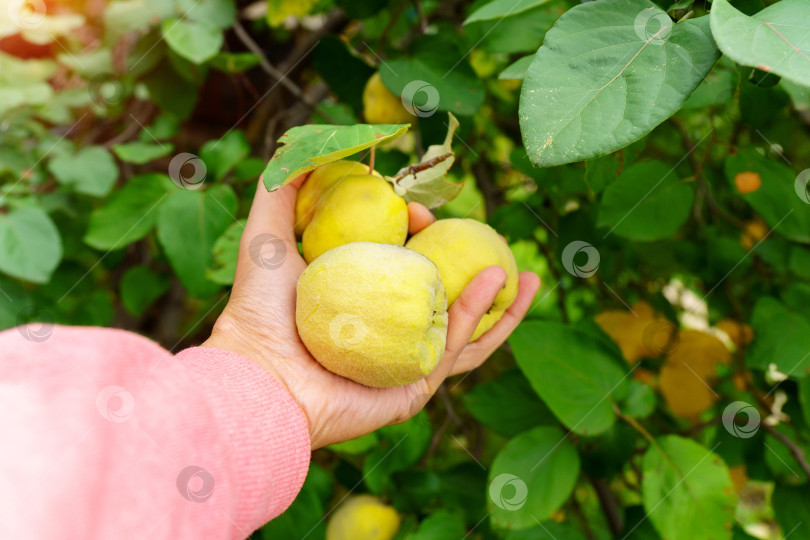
point(423, 24)
point(274, 72)
point(795, 449)
point(419, 167)
point(607, 499)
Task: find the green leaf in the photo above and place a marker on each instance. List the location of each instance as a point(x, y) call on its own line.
point(640, 400)
point(140, 286)
point(498, 9)
point(401, 446)
point(130, 213)
point(345, 73)
point(226, 250)
point(517, 70)
point(780, 460)
point(222, 155)
point(608, 73)
point(441, 525)
point(437, 69)
point(773, 40)
point(219, 13)
point(687, 490)
point(91, 171)
point(781, 337)
point(791, 506)
point(171, 92)
point(804, 398)
point(360, 445)
point(13, 299)
point(234, 62)
point(776, 200)
point(531, 478)
point(504, 26)
point(140, 153)
point(188, 224)
point(428, 186)
point(507, 404)
point(30, 245)
point(548, 530)
point(646, 202)
point(306, 147)
point(194, 41)
point(305, 516)
point(586, 373)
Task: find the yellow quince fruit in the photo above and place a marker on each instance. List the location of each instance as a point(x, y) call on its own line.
point(380, 106)
point(373, 313)
point(360, 208)
point(461, 248)
point(363, 517)
point(318, 184)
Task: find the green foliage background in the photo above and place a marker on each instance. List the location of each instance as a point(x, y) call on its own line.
point(685, 171)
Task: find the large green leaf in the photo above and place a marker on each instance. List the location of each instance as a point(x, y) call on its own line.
point(30, 245)
point(436, 68)
point(306, 147)
point(130, 213)
point(91, 171)
point(773, 40)
point(586, 373)
point(305, 516)
point(401, 446)
point(531, 478)
point(194, 41)
point(781, 337)
point(219, 13)
point(791, 506)
point(646, 202)
point(687, 490)
point(608, 73)
point(140, 286)
point(506, 26)
point(549, 530)
point(140, 152)
point(507, 404)
point(222, 155)
point(188, 224)
point(226, 251)
point(776, 199)
point(442, 525)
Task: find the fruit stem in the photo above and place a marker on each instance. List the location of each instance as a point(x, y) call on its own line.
point(371, 161)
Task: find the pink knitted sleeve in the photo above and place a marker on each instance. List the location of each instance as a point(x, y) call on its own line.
point(107, 435)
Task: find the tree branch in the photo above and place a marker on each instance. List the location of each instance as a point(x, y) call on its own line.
point(607, 500)
point(796, 450)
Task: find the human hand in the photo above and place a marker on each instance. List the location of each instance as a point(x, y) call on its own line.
point(259, 323)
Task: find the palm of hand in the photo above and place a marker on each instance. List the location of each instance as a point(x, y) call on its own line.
point(259, 322)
